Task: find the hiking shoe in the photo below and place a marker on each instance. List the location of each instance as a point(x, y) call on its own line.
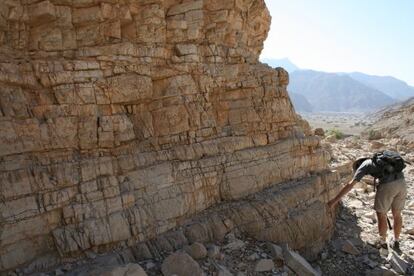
point(380, 244)
point(395, 245)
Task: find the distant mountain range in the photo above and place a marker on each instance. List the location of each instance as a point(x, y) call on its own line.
point(391, 86)
point(334, 92)
point(315, 91)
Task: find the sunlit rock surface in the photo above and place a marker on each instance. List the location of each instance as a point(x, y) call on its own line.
point(121, 119)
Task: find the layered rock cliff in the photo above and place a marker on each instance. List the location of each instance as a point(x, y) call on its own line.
point(122, 119)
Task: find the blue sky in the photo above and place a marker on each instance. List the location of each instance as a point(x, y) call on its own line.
point(370, 36)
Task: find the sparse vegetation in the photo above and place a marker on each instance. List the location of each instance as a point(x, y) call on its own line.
point(338, 134)
point(373, 135)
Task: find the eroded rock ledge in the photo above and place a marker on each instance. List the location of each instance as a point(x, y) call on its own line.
point(122, 119)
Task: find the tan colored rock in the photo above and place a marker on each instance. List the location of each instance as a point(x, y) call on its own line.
point(331, 138)
point(319, 132)
point(122, 120)
point(41, 13)
point(180, 263)
point(375, 145)
point(297, 263)
point(349, 247)
point(196, 250)
point(264, 265)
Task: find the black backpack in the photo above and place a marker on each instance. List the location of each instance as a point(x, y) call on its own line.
point(389, 162)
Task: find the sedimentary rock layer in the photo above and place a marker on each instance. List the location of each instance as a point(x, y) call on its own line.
point(121, 119)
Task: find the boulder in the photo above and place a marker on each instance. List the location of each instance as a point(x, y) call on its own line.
point(196, 250)
point(180, 263)
point(319, 132)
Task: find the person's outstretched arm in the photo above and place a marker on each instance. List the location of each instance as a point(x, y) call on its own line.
point(332, 203)
point(359, 174)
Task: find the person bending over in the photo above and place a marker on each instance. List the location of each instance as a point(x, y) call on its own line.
point(386, 167)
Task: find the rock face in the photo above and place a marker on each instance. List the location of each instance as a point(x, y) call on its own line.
point(122, 119)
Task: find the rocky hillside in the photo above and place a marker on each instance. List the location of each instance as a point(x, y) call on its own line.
point(396, 121)
point(124, 122)
point(336, 92)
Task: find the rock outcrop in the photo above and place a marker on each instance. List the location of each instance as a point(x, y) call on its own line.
point(121, 119)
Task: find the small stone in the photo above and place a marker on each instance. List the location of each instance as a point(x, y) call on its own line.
point(149, 265)
point(297, 263)
point(383, 252)
point(379, 272)
point(253, 257)
point(410, 231)
point(275, 251)
point(59, 272)
point(196, 250)
point(371, 215)
point(264, 265)
point(213, 251)
point(90, 254)
point(349, 247)
point(263, 255)
point(66, 267)
point(375, 145)
point(369, 262)
point(241, 265)
point(223, 271)
point(331, 138)
point(231, 237)
point(234, 245)
point(355, 204)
